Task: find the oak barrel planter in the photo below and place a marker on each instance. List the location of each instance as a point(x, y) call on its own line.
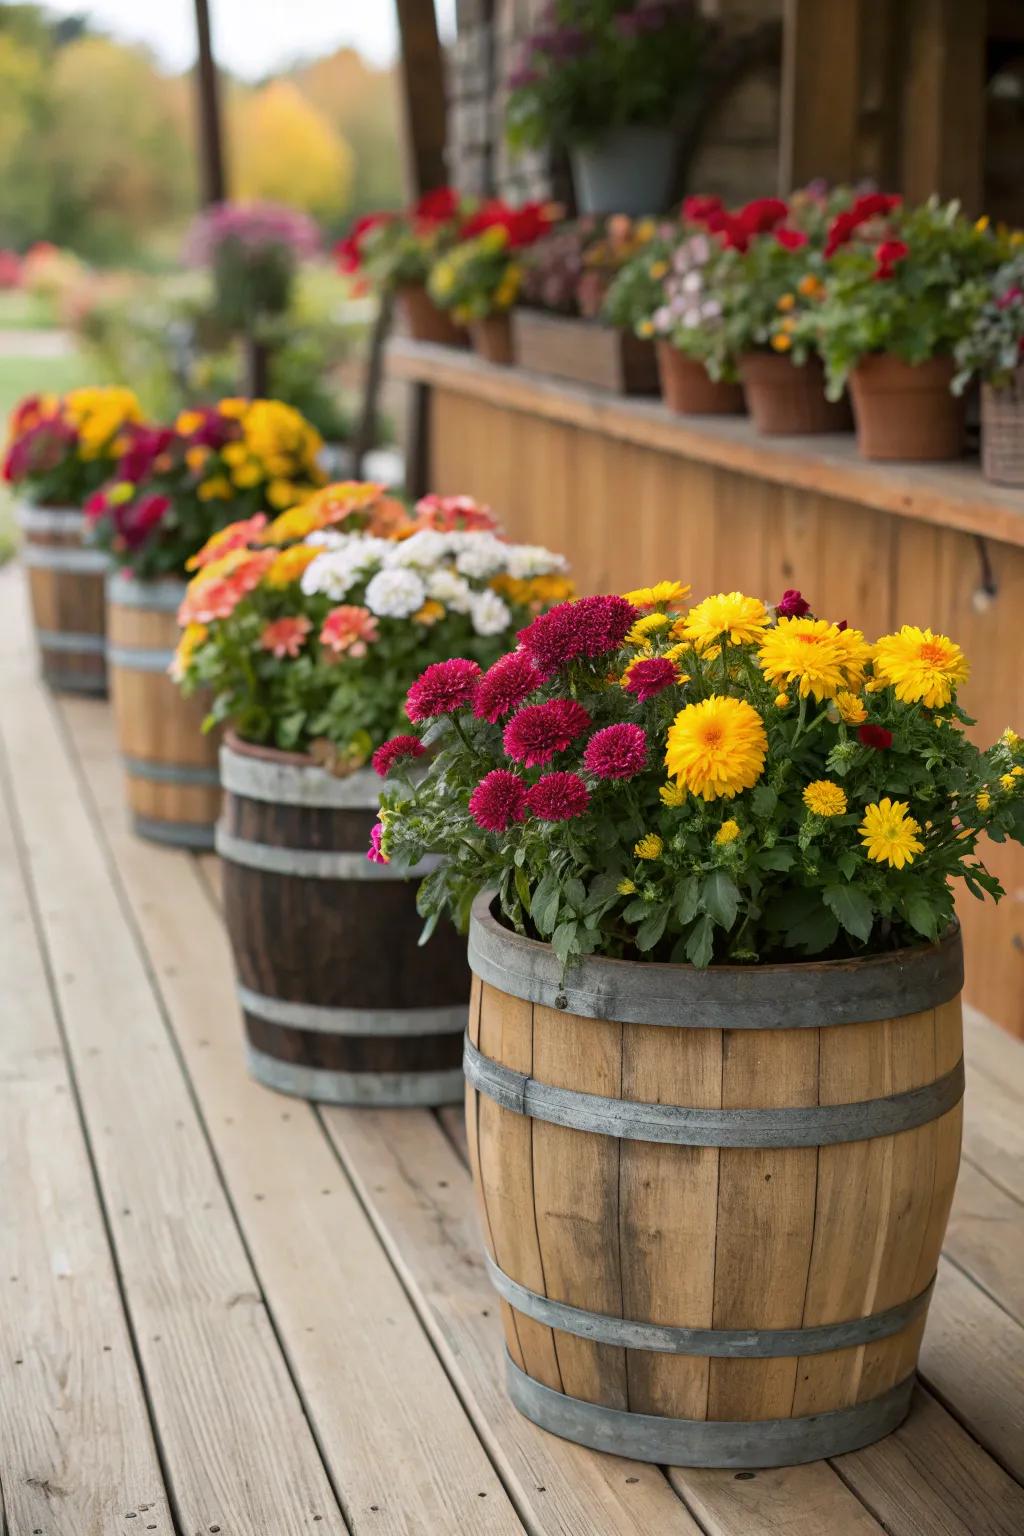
point(171, 774)
point(713, 1201)
point(66, 586)
point(340, 1002)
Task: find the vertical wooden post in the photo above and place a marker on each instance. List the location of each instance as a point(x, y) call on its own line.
point(211, 145)
point(943, 118)
point(819, 131)
point(421, 71)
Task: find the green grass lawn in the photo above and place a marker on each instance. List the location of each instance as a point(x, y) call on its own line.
point(25, 376)
point(23, 311)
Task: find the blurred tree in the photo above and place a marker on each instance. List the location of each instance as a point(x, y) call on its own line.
point(26, 201)
point(283, 149)
point(362, 103)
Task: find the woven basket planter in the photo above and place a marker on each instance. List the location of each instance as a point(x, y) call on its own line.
point(1002, 431)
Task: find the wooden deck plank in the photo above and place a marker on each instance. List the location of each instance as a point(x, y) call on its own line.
point(78, 1455)
point(237, 1450)
point(399, 1446)
point(986, 1238)
point(782, 1501)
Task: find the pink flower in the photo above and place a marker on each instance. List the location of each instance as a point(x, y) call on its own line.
point(393, 751)
point(617, 752)
point(284, 637)
point(443, 689)
point(649, 677)
point(792, 604)
point(448, 514)
point(504, 686)
point(874, 736)
point(558, 797)
point(350, 629)
point(589, 626)
point(373, 853)
point(538, 731)
point(498, 800)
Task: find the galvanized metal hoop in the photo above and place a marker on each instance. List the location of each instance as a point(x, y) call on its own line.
point(819, 1125)
point(313, 863)
point(50, 519)
point(382, 1090)
point(195, 835)
point(139, 658)
point(163, 595)
point(804, 995)
point(256, 778)
point(71, 640)
point(406, 1023)
point(725, 1343)
point(59, 557)
point(170, 773)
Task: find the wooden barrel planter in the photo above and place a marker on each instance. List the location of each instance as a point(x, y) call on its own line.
point(713, 1200)
point(171, 770)
point(68, 603)
point(340, 1002)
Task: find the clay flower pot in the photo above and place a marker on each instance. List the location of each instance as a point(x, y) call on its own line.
point(492, 339)
point(905, 410)
point(425, 321)
point(687, 387)
point(785, 400)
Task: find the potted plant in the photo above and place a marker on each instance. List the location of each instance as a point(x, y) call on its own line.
point(307, 634)
point(59, 449)
point(559, 326)
point(479, 280)
point(718, 848)
point(992, 351)
point(609, 80)
point(902, 289)
point(395, 252)
point(171, 490)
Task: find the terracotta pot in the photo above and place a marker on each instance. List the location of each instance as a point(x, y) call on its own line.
point(425, 321)
point(492, 339)
point(789, 401)
point(687, 387)
point(905, 410)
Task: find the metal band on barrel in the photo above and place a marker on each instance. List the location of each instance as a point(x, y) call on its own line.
point(406, 1022)
point(313, 863)
point(139, 658)
point(803, 996)
point(171, 773)
point(819, 1125)
point(71, 640)
point(383, 1090)
point(725, 1343)
point(196, 835)
point(51, 519)
point(709, 1442)
point(76, 682)
point(57, 557)
point(161, 595)
point(256, 778)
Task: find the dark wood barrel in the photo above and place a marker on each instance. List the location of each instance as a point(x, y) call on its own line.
point(340, 1001)
point(171, 772)
point(713, 1201)
point(66, 582)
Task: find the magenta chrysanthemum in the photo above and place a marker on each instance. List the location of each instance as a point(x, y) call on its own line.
point(504, 686)
point(617, 752)
point(590, 626)
point(498, 800)
point(792, 604)
point(536, 733)
point(392, 752)
point(443, 689)
point(649, 677)
point(373, 853)
point(558, 797)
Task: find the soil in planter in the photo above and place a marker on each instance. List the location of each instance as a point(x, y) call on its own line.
point(785, 400)
point(905, 411)
point(687, 388)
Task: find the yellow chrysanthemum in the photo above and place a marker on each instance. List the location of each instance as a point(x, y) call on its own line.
point(889, 834)
point(717, 747)
point(626, 888)
point(1007, 781)
point(661, 592)
point(1011, 739)
point(639, 632)
point(672, 794)
point(217, 488)
point(191, 638)
point(246, 475)
point(727, 833)
point(782, 701)
point(851, 709)
point(825, 798)
point(727, 616)
point(430, 613)
point(1017, 773)
point(921, 667)
point(983, 800)
point(290, 564)
point(649, 846)
point(817, 657)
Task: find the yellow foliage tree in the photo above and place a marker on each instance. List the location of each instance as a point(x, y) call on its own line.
point(283, 149)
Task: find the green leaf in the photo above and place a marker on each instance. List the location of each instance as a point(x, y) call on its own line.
point(922, 916)
point(776, 858)
point(687, 900)
point(563, 941)
point(652, 927)
point(721, 898)
point(522, 887)
point(700, 946)
point(849, 863)
point(816, 931)
point(636, 911)
point(544, 906)
point(853, 909)
point(763, 801)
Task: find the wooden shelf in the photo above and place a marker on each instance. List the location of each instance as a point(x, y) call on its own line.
point(944, 495)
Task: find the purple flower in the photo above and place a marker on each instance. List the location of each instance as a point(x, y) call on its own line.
point(254, 226)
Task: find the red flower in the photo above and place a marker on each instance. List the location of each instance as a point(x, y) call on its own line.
point(700, 207)
point(649, 677)
point(761, 215)
point(393, 751)
point(617, 752)
point(505, 686)
point(523, 225)
point(498, 800)
point(536, 733)
point(791, 239)
point(136, 520)
point(887, 254)
point(349, 252)
point(871, 205)
point(735, 234)
point(589, 626)
point(285, 637)
point(792, 605)
point(438, 206)
point(494, 211)
point(874, 736)
point(443, 689)
point(558, 797)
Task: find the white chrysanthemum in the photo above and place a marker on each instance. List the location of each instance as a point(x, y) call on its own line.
point(422, 550)
point(395, 593)
point(480, 555)
point(331, 573)
point(526, 560)
point(490, 615)
point(445, 586)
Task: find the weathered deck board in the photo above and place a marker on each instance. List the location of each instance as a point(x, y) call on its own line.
point(78, 1454)
point(986, 1239)
point(393, 1434)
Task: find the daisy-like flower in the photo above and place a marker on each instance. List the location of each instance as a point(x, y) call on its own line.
point(889, 834)
point(538, 731)
point(641, 631)
point(728, 616)
point(393, 751)
point(983, 800)
point(350, 629)
point(216, 591)
point(825, 798)
point(626, 888)
point(285, 637)
point(922, 668)
point(850, 708)
point(191, 638)
point(498, 800)
point(672, 794)
point(650, 846)
point(661, 592)
point(648, 676)
point(290, 565)
point(814, 656)
point(558, 797)
point(727, 833)
point(717, 747)
point(616, 752)
point(234, 536)
point(443, 689)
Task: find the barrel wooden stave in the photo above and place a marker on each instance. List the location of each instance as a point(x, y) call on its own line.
point(160, 730)
point(68, 604)
point(717, 1238)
